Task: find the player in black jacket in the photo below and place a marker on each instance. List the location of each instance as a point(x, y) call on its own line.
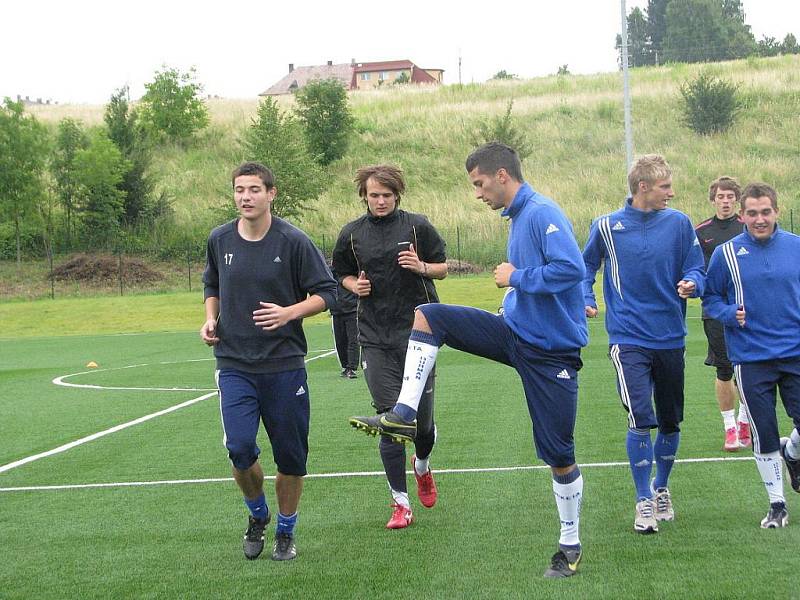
point(724, 193)
point(389, 259)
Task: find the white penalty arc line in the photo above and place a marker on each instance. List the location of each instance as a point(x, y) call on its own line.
point(80, 486)
point(120, 427)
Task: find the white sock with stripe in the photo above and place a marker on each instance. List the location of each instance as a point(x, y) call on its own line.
point(771, 471)
point(568, 491)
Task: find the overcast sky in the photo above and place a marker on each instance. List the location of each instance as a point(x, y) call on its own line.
point(80, 51)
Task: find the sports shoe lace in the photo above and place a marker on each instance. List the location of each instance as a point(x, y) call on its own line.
point(646, 509)
point(559, 561)
point(663, 501)
point(283, 540)
point(255, 530)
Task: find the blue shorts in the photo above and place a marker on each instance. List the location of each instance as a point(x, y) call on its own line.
point(758, 383)
point(280, 401)
point(645, 377)
point(550, 379)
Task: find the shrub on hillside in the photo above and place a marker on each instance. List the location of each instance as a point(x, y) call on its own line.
point(502, 129)
point(323, 110)
point(709, 104)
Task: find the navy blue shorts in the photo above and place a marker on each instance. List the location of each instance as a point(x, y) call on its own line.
point(280, 401)
point(758, 383)
point(550, 379)
point(646, 377)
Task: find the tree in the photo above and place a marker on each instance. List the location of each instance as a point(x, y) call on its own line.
point(563, 70)
point(790, 45)
point(276, 140)
point(401, 79)
point(171, 107)
point(99, 170)
point(23, 148)
point(640, 52)
point(700, 31)
point(502, 129)
point(70, 138)
point(127, 135)
point(710, 105)
point(768, 46)
point(323, 110)
point(504, 75)
point(657, 28)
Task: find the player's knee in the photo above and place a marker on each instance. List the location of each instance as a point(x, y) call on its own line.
point(667, 428)
point(242, 454)
point(420, 322)
point(725, 373)
point(291, 463)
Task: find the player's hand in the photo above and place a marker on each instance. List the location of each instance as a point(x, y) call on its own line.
point(208, 332)
point(271, 316)
point(740, 316)
point(686, 288)
point(502, 274)
point(591, 311)
point(363, 285)
point(408, 259)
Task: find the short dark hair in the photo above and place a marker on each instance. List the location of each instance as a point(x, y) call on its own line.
point(387, 175)
point(757, 190)
point(492, 157)
point(254, 168)
point(724, 183)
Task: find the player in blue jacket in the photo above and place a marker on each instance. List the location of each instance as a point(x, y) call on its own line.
point(653, 262)
point(540, 333)
point(754, 290)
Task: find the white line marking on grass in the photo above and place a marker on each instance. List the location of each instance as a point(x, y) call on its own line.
point(99, 434)
point(77, 486)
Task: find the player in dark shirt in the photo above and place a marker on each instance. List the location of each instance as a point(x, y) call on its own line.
point(724, 193)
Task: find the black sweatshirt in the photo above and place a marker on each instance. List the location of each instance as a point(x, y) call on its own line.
point(284, 268)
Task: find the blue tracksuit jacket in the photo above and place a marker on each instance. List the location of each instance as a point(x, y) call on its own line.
point(764, 277)
point(646, 254)
point(544, 304)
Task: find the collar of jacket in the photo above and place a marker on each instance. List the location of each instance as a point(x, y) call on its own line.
point(759, 242)
point(638, 214)
point(391, 217)
point(524, 193)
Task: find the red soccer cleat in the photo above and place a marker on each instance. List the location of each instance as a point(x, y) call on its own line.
point(401, 517)
point(426, 486)
point(731, 440)
point(745, 440)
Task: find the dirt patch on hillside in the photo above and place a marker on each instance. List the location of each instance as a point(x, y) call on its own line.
point(104, 268)
point(455, 267)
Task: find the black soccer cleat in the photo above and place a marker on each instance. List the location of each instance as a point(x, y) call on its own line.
point(792, 466)
point(777, 517)
point(253, 543)
point(389, 424)
point(283, 548)
point(564, 563)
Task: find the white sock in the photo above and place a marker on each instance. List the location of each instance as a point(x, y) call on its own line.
point(568, 501)
point(770, 469)
point(729, 418)
point(422, 466)
point(742, 418)
point(793, 447)
point(400, 498)
point(420, 358)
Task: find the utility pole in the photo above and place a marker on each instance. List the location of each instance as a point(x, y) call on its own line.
point(459, 67)
point(626, 89)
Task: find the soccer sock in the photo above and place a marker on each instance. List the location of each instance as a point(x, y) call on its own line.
point(400, 498)
point(258, 507)
point(286, 523)
point(665, 451)
point(420, 358)
point(421, 465)
point(793, 447)
point(393, 457)
point(742, 418)
point(640, 455)
point(770, 469)
point(728, 418)
point(568, 490)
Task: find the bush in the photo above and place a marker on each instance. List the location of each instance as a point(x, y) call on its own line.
point(709, 104)
point(504, 130)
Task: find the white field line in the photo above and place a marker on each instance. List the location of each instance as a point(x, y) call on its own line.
point(120, 427)
point(77, 486)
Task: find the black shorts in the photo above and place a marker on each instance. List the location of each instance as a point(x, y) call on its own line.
point(717, 350)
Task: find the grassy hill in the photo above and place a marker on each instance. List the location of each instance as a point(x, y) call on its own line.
point(576, 123)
